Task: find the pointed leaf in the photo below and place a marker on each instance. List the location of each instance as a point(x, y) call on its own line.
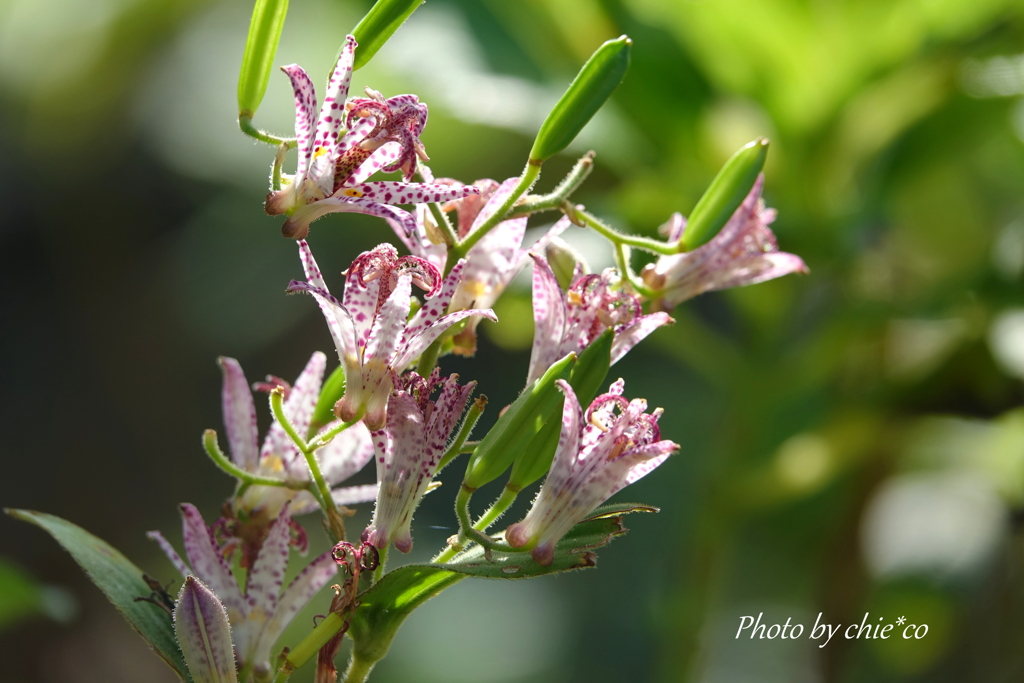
point(119, 579)
point(384, 606)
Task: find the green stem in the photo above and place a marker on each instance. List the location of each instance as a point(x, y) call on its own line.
point(358, 670)
point(450, 236)
point(325, 438)
point(382, 554)
point(275, 170)
point(245, 123)
point(622, 258)
point(526, 181)
point(428, 359)
point(277, 408)
point(646, 243)
point(571, 182)
point(221, 461)
point(311, 644)
point(497, 509)
point(475, 411)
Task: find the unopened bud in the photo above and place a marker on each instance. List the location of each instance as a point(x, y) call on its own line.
point(260, 48)
point(589, 90)
point(725, 194)
point(563, 260)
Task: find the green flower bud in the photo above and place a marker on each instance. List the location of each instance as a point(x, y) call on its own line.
point(378, 25)
point(332, 390)
point(593, 84)
point(725, 194)
point(260, 48)
point(563, 260)
point(514, 430)
point(586, 379)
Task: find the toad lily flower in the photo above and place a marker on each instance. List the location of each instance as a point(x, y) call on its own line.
point(382, 135)
point(371, 328)
point(259, 613)
point(598, 454)
point(571, 321)
point(409, 449)
point(279, 458)
point(744, 252)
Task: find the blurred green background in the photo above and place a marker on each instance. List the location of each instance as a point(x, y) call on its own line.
point(852, 441)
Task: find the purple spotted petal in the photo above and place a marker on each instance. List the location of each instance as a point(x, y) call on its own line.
point(170, 552)
point(332, 117)
point(305, 115)
point(383, 156)
point(549, 318)
point(300, 591)
point(239, 415)
point(298, 408)
point(208, 563)
point(267, 573)
point(339, 322)
point(420, 342)
point(651, 456)
point(433, 308)
point(203, 634)
point(395, 192)
point(346, 454)
point(632, 334)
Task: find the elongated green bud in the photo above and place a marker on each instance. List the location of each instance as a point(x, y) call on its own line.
point(593, 84)
point(586, 379)
point(378, 25)
point(725, 194)
point(332, 390)
point(260, 48)
point(515, 429)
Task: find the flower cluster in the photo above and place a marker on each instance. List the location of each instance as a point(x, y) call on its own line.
point(466, 244)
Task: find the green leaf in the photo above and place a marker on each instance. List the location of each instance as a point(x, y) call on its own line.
point(378, 25)
point(258, 59)
point(589, 90)
point(332, 390)
point(725, 194)
point(513, 431)
point(119, 579)
point(384, 606)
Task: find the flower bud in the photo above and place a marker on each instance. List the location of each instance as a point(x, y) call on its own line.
point(378, 25)
point(203, 633)
point(586, 379)
point(563, 260)
point(513, 432)
point(260, 48)
point(592, 86)
point(725, 194)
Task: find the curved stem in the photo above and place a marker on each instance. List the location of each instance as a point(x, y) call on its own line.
point(571, 182)
point(475, 411)
point(622, 259)
point(247, 478)
point(325, 438)
point(497, 509)
point(526, 181)
point(245, 124)
point(428, 359)
point(656, 246)
point(322, 488)
point(443, 224)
